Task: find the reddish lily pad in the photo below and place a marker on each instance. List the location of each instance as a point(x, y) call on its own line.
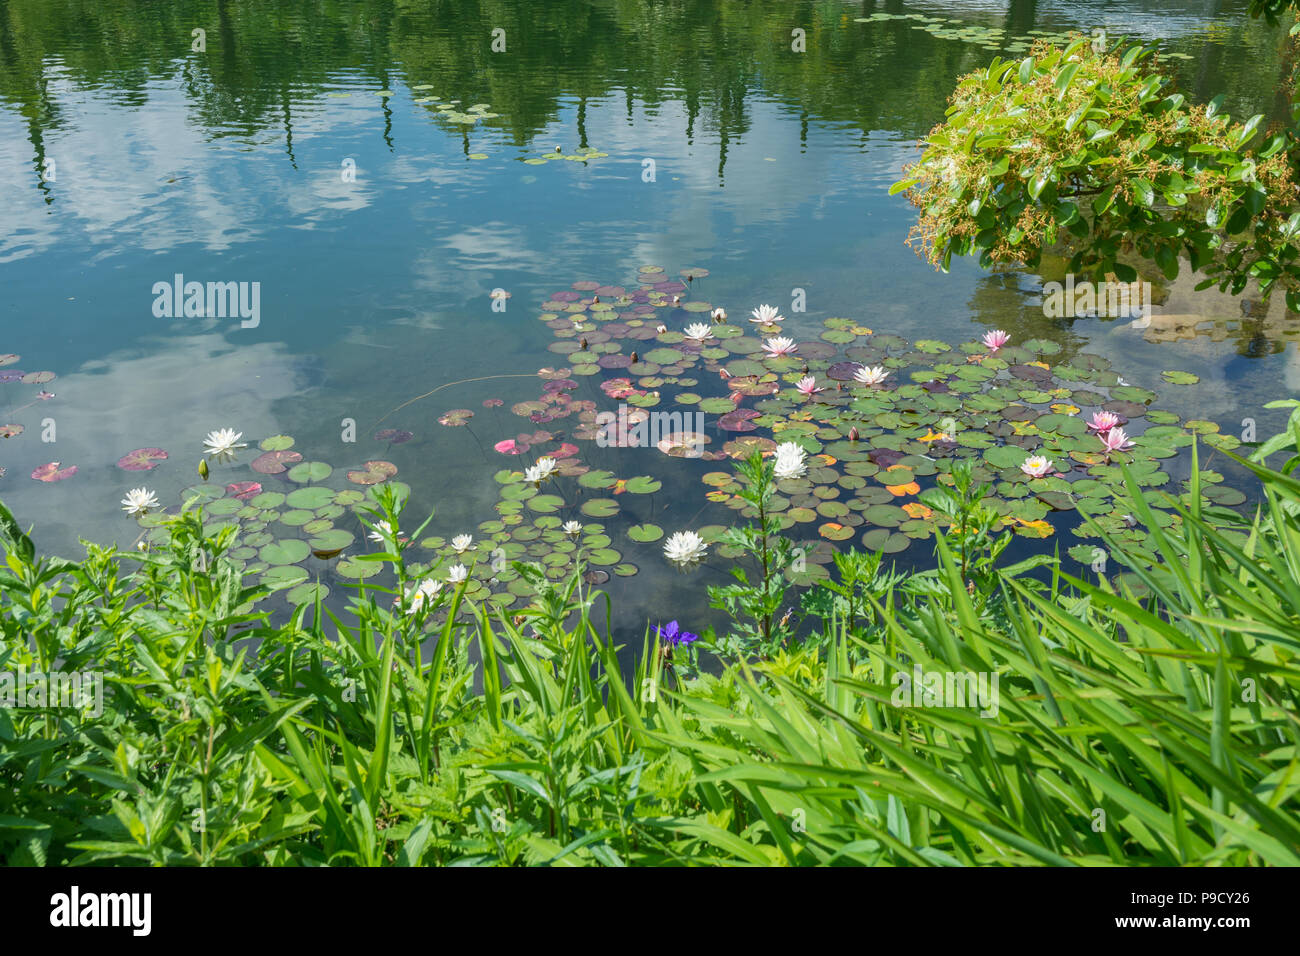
point(52, 472)
point(395, 435)
point(142, 459)
point(275, 462)
point(244, 490)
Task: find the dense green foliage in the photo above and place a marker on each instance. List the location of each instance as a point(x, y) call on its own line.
point(1095, 150)
point(1128, 730)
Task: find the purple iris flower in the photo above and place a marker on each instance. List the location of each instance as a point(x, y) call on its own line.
point(672, 636)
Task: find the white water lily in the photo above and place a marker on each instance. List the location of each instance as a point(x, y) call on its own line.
point(1037, 466)
point(572, 528)
point(767, 315)
point(779, 345)
point(871, 376)
point(699, 331)
point(718, 315)
point(139, 501)
point(790, 460)
point(539, 472)
point(222, 443)
point(461, 543)
point(684, 548)
point(457, 573)
point(421, 594)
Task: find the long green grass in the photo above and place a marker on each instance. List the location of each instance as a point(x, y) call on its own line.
point(1153, 723)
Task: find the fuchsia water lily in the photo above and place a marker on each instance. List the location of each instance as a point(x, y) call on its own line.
point(1114, 439)
point(808, 386)
point(995, 340)
point(1103, 422)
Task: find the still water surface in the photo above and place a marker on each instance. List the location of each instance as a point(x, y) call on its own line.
point(126, 158)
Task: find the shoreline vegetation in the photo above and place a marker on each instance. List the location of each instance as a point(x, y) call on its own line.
point(950, 718)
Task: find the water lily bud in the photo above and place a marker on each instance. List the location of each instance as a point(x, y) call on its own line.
point(661, 329)
point(557, 149)
point(853, 433)
point(635, 358)
point(583, 343)
point(595, 299)
point(203, 468)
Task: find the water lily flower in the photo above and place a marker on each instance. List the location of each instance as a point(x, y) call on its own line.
point(418, 595)
point(1103, 422)
point(684, 548)
point(779, 345)
point(462, 542)
point(995, 340)
point(139, 501)
point(1037, 466)
point(222, 443)
point(873, 375)
point(539, 472)
point(383, 532)
point(767, 315)
point(790, 460)
point(572, 528)
point(670, 635)
point(808, 386)
point(661, 328)
point(698, 331)
point(718, 315)
point(1115, 440)
point(457, 573)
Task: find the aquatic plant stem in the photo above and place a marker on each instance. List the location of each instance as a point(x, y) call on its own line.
point(463, 381)
point(482, 451)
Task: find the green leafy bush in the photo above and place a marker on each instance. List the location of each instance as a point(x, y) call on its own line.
point(1096, 151)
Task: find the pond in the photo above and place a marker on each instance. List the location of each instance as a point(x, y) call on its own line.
point(416, 207)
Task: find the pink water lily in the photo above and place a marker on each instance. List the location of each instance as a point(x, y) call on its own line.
point(1114, 439)
point(995, 340)
point(1103, 422)
point(808, 386)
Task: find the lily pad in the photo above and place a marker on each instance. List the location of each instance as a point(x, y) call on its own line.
point(309, 471)
point(275, 462)
point(142, 459)
point(375, 472)
point(52, 472)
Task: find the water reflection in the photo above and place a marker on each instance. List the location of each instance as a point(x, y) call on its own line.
point(771, 170)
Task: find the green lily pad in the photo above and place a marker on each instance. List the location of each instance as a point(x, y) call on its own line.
point(310, 498)
point(285, 551)
point(600, 508)
point(310, 471)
